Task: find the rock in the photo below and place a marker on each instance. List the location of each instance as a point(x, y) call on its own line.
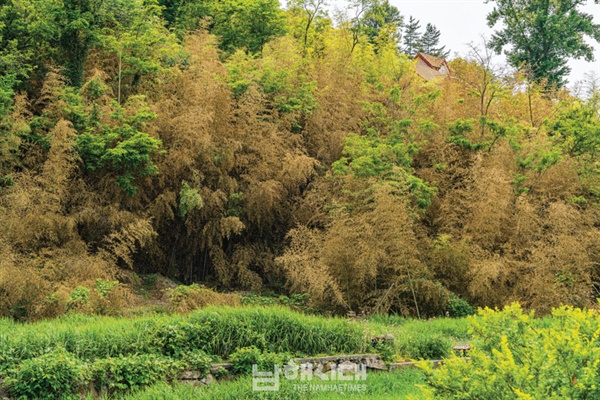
point(328, 366)
point(209, 379)
point(220, 368)
point(195, 378)
point(191, 375)
point(375, 363)
point(348, 367)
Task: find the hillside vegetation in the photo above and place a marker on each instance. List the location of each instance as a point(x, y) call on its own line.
point(245, 146)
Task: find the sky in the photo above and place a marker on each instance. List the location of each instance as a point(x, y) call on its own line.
point(464, 21)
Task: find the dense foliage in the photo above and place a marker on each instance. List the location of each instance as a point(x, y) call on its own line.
point(72, 354)
point(246, 146)
point(518, 356)
point(543, 35)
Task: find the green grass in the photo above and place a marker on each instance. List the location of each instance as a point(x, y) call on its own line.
point(415, 339)
point(217, 331)
point(279, 329)
point(383, 386)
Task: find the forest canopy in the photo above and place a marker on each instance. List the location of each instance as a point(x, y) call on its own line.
point(247, 146)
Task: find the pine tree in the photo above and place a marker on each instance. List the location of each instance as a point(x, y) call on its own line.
point(412, 37)
point(430, 41)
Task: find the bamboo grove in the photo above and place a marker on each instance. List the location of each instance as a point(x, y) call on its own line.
point(246, 146)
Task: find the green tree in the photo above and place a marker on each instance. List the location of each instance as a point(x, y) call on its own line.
point(9, 77)
point(137, 41)
point(386, 158)
point(543, 35)
point(412, 37)
point(19, 49)
point(45, 33)
point(373, 19)
point(63, 31)
point(430, 42)
point(248, 24)
point(78, 20)
point(381, 14)
point(185, 15)
point(119, 145)
point(579, 129)
point(313, 10)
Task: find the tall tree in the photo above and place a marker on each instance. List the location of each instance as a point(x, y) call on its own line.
point(412, 37)
point(430, 42)
point(182, 15)
point(374, 19)
point(313, 10)
point(360, 8)
point(543, 35)
point(377, 17)
point(248, 24)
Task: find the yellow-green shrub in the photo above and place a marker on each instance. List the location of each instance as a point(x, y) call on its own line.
point(517, 356)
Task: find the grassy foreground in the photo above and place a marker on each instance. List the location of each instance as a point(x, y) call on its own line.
point(381, 386)
point(515, 355)
point(146, 355)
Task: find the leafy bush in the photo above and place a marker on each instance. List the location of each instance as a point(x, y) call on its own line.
point(386, 350)
point(517, 356)
point(197, 361)
point(57, 374)
point(428, 346)
point(268, 360)
point(79, 298)
point(103, 287)
point(108, 297)
point(243, 359)
point(458, 307)
point(177, 339)
point(122, 373)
